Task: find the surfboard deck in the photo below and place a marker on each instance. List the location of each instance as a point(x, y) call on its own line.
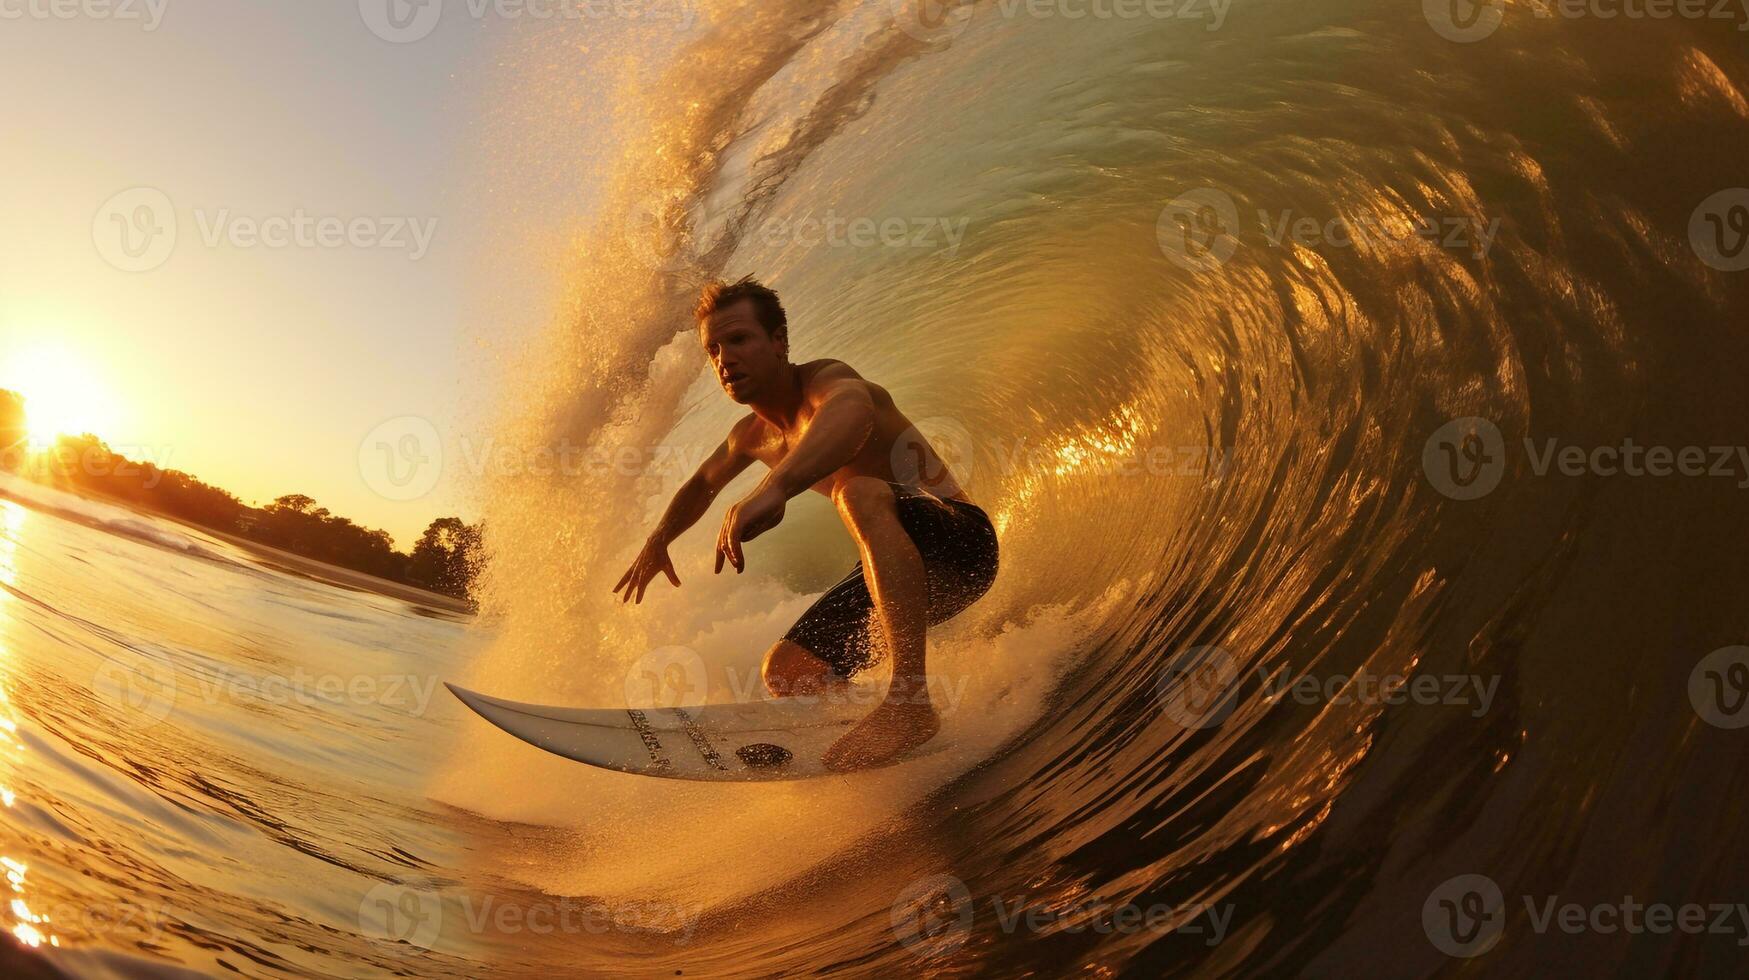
point(756, 741)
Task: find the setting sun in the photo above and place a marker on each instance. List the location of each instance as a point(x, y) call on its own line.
point(62, 395)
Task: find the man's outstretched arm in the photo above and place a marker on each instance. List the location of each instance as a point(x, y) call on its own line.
point(689, 504)
point(842, 422)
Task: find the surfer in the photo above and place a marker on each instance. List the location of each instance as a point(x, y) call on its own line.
point(927, 551)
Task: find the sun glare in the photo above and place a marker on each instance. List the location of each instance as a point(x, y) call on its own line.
point(62, 395)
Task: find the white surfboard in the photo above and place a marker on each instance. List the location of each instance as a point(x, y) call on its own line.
point(760, 740)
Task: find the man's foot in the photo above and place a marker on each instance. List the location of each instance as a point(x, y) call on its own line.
point(900, 724)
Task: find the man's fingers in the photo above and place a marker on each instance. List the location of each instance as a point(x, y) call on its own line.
point(669, 568)
point(627, 577)
point(722, 539)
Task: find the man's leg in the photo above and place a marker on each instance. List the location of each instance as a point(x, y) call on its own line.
point(895, 575)
point(791, 670)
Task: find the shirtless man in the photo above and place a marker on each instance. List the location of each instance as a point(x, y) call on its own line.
point(927, 551)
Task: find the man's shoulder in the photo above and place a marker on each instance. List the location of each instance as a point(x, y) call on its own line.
point(747, 431)
point(825, 377)
point(826, 370)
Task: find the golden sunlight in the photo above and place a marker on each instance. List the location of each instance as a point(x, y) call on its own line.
point(62, 395)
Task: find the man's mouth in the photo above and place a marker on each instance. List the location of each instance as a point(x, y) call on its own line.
point(734, 379)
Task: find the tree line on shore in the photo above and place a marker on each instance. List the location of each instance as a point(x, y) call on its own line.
point(445, 559)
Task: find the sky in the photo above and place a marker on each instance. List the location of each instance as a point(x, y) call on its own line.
point(255, 354)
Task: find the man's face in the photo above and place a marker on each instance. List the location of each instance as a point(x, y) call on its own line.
point(748, 361)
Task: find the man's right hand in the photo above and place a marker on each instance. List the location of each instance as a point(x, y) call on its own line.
point(651, 559)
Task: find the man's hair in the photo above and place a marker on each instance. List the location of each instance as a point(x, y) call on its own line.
point(718, 295)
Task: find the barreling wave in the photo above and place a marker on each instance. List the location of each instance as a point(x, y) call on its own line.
point(1185, 305)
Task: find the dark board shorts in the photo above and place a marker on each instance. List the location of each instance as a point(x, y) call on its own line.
point(958, 545)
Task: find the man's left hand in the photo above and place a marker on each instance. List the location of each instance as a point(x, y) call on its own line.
point(757, 513)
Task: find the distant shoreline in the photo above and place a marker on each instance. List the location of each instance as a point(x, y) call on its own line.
point(333, 574)
point(285, 561)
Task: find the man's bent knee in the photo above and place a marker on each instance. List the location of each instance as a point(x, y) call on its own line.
point(791, 670)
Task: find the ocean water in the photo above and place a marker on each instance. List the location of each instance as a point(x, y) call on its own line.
point(1258, 330)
